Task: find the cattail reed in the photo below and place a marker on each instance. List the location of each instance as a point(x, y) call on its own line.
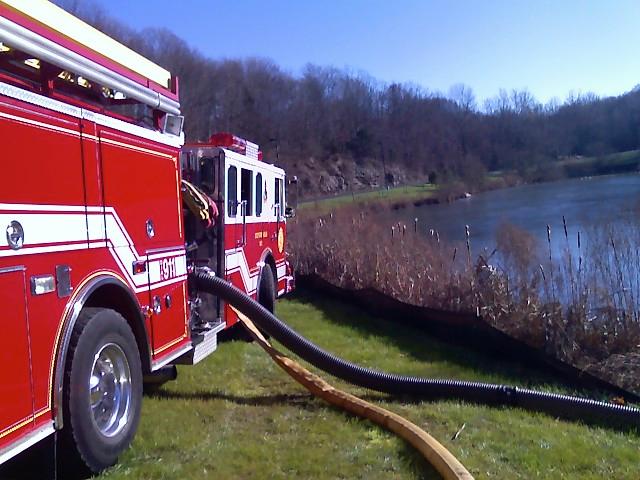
point(561, 305)
point(466, 235)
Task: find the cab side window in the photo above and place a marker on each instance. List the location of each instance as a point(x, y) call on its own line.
point(279, 197)
point(232, 191)
point(258, 194)
point(246, 189)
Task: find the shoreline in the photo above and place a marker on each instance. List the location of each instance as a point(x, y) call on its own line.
point(401, 197)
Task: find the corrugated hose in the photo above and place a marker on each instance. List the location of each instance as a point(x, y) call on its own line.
point(558, 405)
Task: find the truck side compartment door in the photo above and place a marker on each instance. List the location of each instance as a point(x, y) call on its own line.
point(42, 191)
point(16, 390)
point(143, 217)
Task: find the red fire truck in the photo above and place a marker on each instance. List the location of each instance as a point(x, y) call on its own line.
point(104, 216)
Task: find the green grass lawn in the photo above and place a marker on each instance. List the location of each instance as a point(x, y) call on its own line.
point(621, 162)
point(572, 167)
point(236, 415)
point(397, 194)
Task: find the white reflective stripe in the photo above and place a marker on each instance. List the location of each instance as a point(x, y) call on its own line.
point(181, 264)
point(124, 257)
point(46, 208)
point(139, 283)
point(95, 227)
point(256, 165)
point(40, 100)
point(100, 119)
point(26, 442)
point(115, 231)
point(266, 219)
point(126, 127)
point(115, 228)
point(68, 232)
point(173, 266)
point(35, 123)
point(168, 282)
point(42, 228)
point(36, 250)
point(237, 261)
point(168, 252)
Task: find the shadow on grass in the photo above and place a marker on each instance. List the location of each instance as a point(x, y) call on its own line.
point(418, 464)
point(304, 400)
point(424, 347)
point(420, 467)
point(37, 462)
point(301, 400)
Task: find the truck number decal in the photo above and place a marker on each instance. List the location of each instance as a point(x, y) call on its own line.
point(167, 268)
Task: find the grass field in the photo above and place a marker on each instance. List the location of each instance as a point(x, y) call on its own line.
point(621, 162)
point(237, 415)
point(406, 193)
point(600, 165)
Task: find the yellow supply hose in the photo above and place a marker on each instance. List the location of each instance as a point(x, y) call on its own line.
point(196, 201)
point(436, 454)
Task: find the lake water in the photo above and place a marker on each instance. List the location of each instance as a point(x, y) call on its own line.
point(583, 202)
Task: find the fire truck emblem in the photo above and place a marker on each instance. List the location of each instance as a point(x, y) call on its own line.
point(15, 235)
point(280, 240)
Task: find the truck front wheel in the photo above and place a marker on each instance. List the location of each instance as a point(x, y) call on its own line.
point(102, 390)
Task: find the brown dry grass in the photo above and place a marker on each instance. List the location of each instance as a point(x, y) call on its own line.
point(582, 309)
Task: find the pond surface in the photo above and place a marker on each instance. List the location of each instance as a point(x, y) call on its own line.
point(583, 202)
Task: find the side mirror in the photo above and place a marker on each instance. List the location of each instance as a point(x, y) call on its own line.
point(292, 197)
point(289, 212)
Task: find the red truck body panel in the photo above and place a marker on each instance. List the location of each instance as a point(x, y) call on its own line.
point(92, 214)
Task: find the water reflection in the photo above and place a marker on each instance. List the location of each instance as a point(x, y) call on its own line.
point(583, 203)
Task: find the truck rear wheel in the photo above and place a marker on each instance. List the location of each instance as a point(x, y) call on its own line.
point(266, 289)
point(265, 296)
point(102, 390)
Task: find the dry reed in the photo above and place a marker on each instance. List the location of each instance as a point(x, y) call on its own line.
point(582, 308)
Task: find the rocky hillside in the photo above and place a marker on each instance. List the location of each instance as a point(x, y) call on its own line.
point(341, 174)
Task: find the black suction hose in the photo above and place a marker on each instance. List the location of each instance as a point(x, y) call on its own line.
point(486, 393)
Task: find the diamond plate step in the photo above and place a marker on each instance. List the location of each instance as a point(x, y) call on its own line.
point(204, 343)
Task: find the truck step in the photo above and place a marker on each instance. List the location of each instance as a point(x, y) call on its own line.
point(204, 342)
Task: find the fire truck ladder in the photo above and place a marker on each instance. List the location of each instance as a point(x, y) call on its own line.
point(108, 62)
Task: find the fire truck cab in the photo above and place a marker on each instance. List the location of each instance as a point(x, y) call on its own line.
point(243, 237)
point(104, 215)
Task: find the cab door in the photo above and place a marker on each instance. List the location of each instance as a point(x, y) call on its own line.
point(233, 211)
point(260, 200)
point(16, 390)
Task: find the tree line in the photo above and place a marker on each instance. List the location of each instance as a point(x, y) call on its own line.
point(325, 113)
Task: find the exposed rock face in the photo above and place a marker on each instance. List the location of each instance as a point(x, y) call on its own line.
point(338, 174)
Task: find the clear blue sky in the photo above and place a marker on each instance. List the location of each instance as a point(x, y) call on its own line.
point(549, 47)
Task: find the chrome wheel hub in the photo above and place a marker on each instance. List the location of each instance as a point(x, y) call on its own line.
point(110, 390)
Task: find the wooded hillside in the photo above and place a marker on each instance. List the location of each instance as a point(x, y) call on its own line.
point(339, 130)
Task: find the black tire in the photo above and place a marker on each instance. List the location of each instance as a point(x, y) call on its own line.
point(266, 289)
point(266, 293)
point(266, 296)
point(102, 391)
